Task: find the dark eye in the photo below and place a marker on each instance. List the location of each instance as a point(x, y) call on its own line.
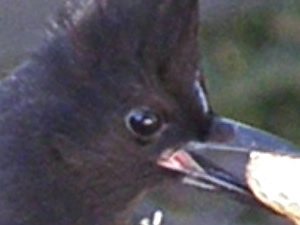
point(143, 122)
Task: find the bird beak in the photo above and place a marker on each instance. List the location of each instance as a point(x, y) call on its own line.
point(219, 164)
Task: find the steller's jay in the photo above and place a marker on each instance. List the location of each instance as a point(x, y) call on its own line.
point(90, 122)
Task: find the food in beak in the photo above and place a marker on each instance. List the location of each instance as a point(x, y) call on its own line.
point(274, 181)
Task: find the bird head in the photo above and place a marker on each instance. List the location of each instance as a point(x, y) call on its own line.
point(127, 109)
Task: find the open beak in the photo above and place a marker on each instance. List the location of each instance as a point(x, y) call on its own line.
point(219, 164)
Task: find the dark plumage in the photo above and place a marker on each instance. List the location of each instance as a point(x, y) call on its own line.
point(62, 131)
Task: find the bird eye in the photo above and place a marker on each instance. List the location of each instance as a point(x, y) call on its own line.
point(143, 122)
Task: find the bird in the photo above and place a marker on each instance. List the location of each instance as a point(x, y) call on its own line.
point(110, 106)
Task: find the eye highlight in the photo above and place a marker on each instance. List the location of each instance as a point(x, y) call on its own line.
point(144, 122)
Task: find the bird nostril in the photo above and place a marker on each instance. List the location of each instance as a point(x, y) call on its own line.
point(221, 132)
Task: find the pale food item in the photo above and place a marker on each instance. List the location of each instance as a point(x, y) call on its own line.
point(274, 181)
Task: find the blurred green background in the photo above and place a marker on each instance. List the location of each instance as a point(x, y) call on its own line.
point(252, 62)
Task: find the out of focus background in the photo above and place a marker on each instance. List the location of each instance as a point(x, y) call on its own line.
point(251, 55)
point(251, 58)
